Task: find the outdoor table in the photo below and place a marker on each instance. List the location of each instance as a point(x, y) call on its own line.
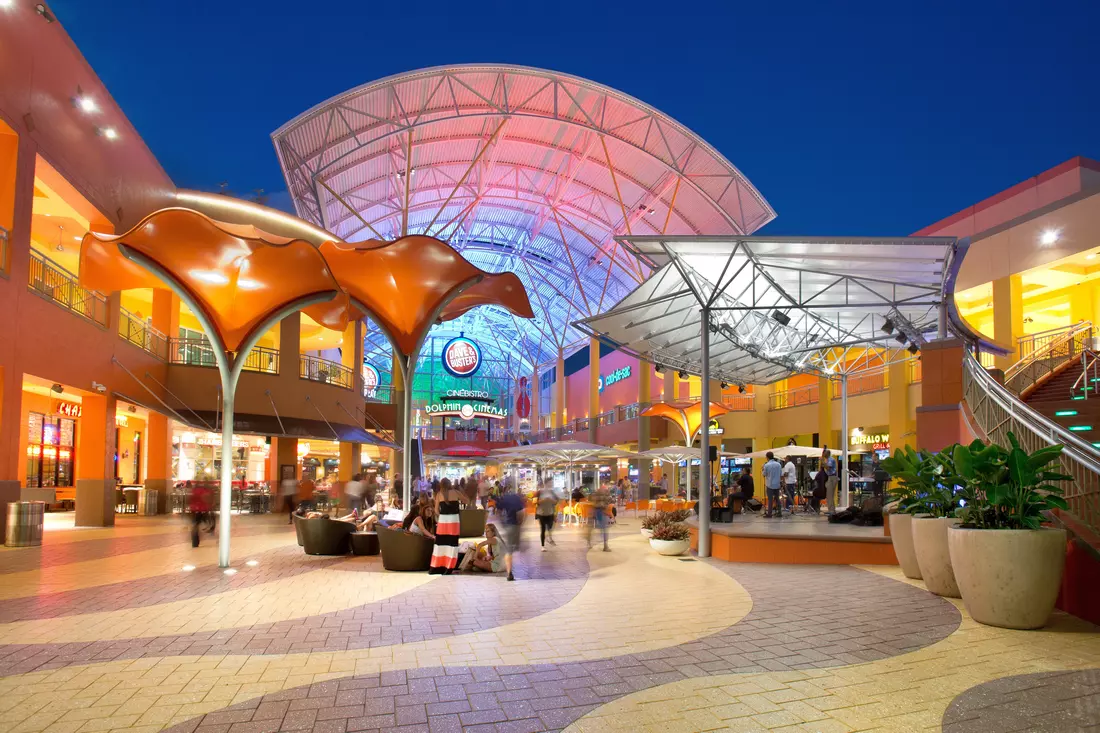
point(364, 543)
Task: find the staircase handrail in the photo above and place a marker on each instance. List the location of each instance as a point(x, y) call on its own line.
point(997, 410)
point(1029, 369)
point(1089, 359)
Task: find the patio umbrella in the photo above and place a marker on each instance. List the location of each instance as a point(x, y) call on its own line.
point(567, 452)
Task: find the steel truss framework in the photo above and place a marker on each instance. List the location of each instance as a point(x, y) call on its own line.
point(781, 305)
point(520, 169)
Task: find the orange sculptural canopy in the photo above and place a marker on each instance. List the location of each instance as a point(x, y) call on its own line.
point(239, 275)
point(686, 417)
point(408, 284)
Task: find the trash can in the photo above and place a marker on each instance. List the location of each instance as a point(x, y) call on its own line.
point(148, 501)
point(25, 523)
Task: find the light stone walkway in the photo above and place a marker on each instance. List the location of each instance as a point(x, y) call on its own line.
point(583, 641)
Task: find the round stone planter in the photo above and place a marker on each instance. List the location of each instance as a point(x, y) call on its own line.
point(670, 547)
point(901, 534)
point(933, 557)
point(647, 533)
point(1008, 577)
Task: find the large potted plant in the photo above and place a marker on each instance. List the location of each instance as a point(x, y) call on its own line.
point(935, 514)
point(651, 523)
point(912, 471)
point(670, 538)
point(1008, 566)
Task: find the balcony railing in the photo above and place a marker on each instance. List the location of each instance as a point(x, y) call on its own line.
point(381, 393)
point(316, 369)
point(740, 402)
point(863, 382)
point(916, 371)
point(797, 397)
point(142, 334)
point(52, 281)
point(198, 352)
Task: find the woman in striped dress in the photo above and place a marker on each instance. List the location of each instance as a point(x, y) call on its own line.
point(445, 553)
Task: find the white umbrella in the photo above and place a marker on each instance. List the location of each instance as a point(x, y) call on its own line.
point(784, 451)
point(564, 451)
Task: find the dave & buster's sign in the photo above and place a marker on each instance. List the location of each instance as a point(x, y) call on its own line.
point(371, 380)
point(461, 357)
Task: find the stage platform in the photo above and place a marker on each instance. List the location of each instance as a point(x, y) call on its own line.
point(796, 539)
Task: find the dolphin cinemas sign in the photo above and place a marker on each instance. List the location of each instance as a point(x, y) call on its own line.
point(467, 410)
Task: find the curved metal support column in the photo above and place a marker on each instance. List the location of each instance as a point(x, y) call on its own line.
point(704, 439)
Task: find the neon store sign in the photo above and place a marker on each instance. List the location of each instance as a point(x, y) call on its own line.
point(465, 410)
point(461, 357)
point(877, 441)
point(618, 375)
point(371, 379)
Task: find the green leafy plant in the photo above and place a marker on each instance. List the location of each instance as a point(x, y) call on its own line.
point(656, 519)
point(671, 532)
point(1008, 488)
point(926, 482)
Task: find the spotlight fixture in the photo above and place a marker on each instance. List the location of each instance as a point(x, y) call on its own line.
point(723, 385)
point(132, 409)
point(57, 388)
point(682, 374)
point(741, 389)
point(781, 318)
point(913, 348)
point(901, 338)
point(887, 327)
point(658, 368)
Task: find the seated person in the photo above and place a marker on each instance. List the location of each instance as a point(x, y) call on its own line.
point(420, 522)
point(745, 489)
point(578, 495)
point(489, 555)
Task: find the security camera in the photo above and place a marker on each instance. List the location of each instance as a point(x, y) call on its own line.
point(101, 388)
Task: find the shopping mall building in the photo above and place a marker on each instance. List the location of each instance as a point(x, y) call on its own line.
point(522, 170)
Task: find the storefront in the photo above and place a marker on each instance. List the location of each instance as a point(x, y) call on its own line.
point(197, 456)
point(866, 444)
point(51, 446)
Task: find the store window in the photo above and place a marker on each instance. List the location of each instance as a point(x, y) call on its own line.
point(50, 451)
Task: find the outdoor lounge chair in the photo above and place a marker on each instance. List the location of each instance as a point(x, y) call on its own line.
point(403, 550)
point(323, 536)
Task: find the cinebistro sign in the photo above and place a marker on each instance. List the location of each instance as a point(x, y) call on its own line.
point(618, 375)
point(465, 410)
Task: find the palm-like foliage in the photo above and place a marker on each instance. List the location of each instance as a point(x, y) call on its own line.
point(1008, 489)
point(927, 482)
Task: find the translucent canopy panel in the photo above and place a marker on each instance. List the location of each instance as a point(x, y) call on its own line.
point(521, 170)
point(780, 305)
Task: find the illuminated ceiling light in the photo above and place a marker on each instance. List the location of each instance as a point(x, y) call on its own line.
point(77, 237)
point(1049, 237)
point(1090, 256)
point(86, 103)
point(5, 4)
point(109, 132)
point(246, 284)
point(188, 568)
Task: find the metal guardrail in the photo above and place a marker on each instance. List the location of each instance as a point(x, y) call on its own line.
point(797, 397)
point(52, 281)
point(740, 402)
point(1052, 349)
point(382, 393)
point(142, 334)
point(1032, 342)
point(997, 411)
point(316, 369)
point(198, 352)
point(1089, 381)
point(863, 382)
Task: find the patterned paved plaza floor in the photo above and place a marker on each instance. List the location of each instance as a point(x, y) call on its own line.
point(104, 630)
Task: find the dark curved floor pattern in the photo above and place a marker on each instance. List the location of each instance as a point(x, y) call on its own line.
point(775, 635)
point(1047, 702)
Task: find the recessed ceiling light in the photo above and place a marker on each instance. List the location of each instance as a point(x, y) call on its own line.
point(188, 568)
point(1049, 237)
point(87, 104)
point(1090, 256)
point(78, 237)
point(110, 133)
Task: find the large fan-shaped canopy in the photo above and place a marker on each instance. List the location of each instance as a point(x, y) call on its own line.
point(521, 170)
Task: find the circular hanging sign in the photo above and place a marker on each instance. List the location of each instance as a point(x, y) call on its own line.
point(466, 412)
point(461, 357)
point(370, 378)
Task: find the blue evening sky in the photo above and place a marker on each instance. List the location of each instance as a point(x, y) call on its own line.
point(851, 118)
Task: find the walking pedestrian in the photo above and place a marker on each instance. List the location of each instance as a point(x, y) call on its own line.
point(512, 510)
point(354, 490)
point(200, 507)
point(600, 500)
point(288, 488)
point(546, 511)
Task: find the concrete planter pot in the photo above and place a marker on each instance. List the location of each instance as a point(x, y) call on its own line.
point(933, 557)
point(647, 533)
point(670, 547)
point(901, 534)
point(1008, 577)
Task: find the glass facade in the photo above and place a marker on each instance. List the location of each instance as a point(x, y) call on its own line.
point(51, 450)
